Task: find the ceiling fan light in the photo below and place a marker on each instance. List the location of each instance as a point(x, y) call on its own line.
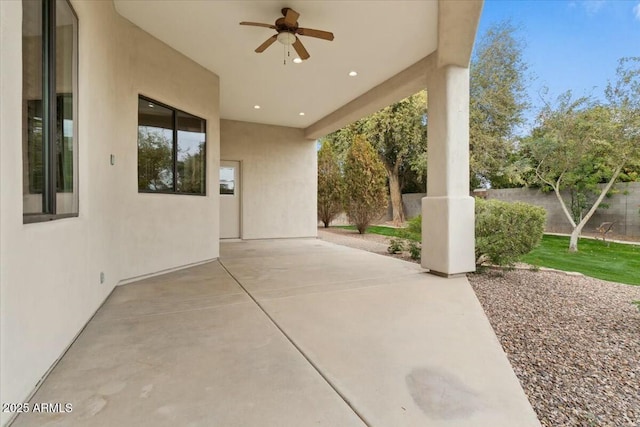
point(286, 38)
point(297, 60)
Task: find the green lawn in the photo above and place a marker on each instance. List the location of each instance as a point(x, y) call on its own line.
point(616, 262)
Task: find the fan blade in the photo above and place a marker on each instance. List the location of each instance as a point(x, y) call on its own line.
point(266, 44)
point(291, 17)
point(302, 52)
point(319, 34)
point(258, 24)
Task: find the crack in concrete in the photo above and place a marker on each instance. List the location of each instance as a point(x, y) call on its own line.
point(302, 353)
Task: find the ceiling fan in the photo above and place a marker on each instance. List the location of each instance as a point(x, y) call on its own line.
point(287, 28)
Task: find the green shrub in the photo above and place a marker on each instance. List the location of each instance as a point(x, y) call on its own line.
point(415, 250)
point(395, 246)
point(365, 184)
point(413, 230)
point(506, 231)
point(330, 184)
point(414, 226)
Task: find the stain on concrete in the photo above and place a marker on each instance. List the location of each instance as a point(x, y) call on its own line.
point(166, 410)
point(94, 405)
point(145, 391)
point(441, 395)
point(112, 387)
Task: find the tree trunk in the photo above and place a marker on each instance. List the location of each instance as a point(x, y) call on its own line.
point(396, 198)
point(556, 190)
point(573, 242)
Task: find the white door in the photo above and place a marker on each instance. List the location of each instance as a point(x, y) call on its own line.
point(229, 199)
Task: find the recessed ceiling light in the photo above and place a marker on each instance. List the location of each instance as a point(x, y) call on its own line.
point(353, 73)
point(257, 107)
point(301, 113)
point(297, 60)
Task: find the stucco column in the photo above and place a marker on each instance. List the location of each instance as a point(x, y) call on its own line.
point(448, 233)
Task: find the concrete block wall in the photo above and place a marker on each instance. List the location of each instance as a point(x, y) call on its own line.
point(624, 208)
point(412, 205)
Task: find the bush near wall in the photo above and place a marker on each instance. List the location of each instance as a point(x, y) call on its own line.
point(506, 231)
point(330, 184)
point(365, 184)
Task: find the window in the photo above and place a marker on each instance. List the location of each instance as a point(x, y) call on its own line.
point(227, 180)
point(49, 92)
point(171, 150)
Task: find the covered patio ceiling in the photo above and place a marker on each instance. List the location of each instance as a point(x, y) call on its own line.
point(377, 39)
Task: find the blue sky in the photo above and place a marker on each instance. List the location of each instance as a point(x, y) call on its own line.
point(570, 44)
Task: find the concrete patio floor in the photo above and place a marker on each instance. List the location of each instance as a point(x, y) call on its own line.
point(288, 333)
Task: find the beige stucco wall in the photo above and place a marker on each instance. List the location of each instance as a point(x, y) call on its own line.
point(161, 73)
point(50, 272)
point(279, 178)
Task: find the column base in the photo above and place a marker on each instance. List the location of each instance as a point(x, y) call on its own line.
point(448, 235)
point(446, 275)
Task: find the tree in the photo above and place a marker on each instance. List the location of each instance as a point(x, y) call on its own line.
point(190, 168)
point(497, 102)
point(624, 98)
point(155, 159)
point(342, 138)
point(398, 133)
point(330, 184)
point(580, 144)
point(364, 177)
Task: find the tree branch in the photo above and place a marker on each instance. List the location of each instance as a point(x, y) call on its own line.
point(556, 190)
point(603, 193)
point(540, 177)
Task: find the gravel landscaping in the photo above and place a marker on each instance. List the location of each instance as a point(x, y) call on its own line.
point(573, 341)
point(368, 242)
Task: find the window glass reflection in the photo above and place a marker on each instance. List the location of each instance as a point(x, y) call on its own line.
point(32, 149)
point(227, 180)
point(66, 51)
point(49, 182)
point(191, 153)
point(155, 147)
